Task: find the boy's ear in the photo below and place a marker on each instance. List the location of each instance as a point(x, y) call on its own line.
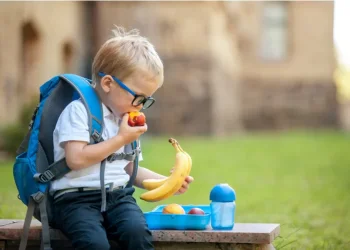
point(106, 83)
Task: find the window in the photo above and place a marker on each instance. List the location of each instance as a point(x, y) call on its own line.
point(67, 53)
point(30, 56)
point(30, 40)
point(274, 33)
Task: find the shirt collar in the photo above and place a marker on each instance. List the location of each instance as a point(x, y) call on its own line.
point(107, 112)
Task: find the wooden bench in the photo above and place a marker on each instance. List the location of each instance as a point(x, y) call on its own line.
point(244, 236)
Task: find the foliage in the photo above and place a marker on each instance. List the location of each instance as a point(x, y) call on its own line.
point(12, 134)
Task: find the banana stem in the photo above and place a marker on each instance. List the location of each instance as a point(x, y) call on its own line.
point(175, 144)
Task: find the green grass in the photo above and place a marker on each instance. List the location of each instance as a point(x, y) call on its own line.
point(297, 179)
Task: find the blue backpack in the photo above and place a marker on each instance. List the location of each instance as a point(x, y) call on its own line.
point(34, 166)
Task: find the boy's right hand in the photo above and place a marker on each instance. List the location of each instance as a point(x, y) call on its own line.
point(128, 133)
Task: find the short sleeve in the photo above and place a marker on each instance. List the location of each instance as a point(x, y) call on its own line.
point(72, 124)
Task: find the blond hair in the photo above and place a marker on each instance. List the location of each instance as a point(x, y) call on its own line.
point(125, 53)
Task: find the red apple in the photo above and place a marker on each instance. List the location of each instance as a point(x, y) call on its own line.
point(196, 210)
point(136, 119)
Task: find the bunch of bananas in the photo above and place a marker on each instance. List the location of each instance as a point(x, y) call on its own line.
point(160, 189)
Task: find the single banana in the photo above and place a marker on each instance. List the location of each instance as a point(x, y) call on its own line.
point(174, 181)
point(151, 184)
point(189, 159)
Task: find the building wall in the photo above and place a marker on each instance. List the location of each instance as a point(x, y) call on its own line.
point(37, 40)
point(297, 90)
point(216, 81)
point(201, 63)
point(310, 43)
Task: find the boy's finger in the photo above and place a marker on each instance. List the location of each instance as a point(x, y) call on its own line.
point(125, 118)
point(143, 128)
point(189, 179)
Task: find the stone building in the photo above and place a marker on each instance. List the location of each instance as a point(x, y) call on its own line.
point(37, 40)
point(288, 62)
point(229, 66)
point(199, 52)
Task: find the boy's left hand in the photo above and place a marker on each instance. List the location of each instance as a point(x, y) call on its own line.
point(185, 185)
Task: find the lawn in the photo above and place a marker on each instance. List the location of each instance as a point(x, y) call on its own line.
point(297, 179)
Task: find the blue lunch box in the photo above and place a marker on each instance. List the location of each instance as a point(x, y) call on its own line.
point(156, 220)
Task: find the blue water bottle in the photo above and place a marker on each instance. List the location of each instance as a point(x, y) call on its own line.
point(222, 207)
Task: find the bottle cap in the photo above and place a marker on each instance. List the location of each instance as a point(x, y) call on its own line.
point(222, 193)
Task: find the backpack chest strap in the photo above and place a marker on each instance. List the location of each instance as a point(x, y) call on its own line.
point(124, 156)
point(129, 156)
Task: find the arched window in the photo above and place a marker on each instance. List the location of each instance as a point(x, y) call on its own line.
point(67, 54)
point(29, 58)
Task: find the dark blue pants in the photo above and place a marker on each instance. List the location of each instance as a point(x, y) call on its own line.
point(79, 217)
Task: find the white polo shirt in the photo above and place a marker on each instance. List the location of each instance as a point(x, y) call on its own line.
point(73, 125)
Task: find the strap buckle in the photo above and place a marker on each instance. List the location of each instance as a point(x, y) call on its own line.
point(125, 156)
point(137, 151)
point(109, 187)
point(47, 176)
point(131, 156)
point(96, 136)
point(116, 156)
point(38, 197)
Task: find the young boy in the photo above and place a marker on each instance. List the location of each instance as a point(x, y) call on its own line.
point(126, 72)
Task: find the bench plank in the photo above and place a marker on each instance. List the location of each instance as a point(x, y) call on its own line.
point(252, 233)
point(35, 245)
point(7, 222)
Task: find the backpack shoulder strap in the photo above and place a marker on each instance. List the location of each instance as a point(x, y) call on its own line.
point(91, 101)
point(135, 147)
point(93, 107)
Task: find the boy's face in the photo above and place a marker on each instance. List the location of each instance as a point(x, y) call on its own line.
point(121, 100)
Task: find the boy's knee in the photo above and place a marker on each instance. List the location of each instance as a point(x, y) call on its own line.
point(136, 228)
point(136, 235)
point(91, 243)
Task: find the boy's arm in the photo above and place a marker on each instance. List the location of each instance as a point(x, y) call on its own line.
point(80, 155)
point(142, 174)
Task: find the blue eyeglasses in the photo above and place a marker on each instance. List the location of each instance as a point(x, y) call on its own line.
point(138, 99)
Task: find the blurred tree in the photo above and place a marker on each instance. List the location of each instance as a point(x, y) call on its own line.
point(12, 135)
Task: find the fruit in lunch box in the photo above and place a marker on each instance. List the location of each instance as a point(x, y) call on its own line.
point(173, 183)
point(136, 118)
point(173, 209)
point(196, 210)
point(151, 184)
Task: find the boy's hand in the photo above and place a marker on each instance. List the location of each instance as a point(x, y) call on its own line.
point(128, 133)
point(185, 185)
